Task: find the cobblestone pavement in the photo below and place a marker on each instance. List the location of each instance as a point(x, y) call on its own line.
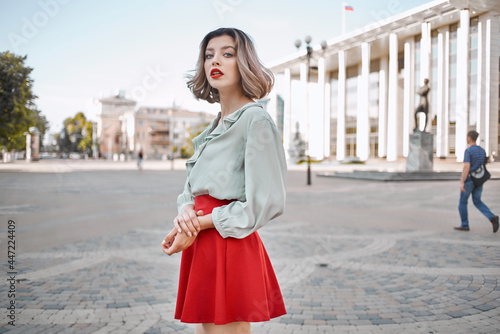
point(351, 256)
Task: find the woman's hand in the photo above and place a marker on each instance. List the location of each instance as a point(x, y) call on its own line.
point(187, 221)
point(176, 242)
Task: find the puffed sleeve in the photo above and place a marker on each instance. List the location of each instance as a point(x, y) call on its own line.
point(265, 177)
point(186, 197)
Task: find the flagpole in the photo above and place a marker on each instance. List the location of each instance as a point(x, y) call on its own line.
point(343, 17)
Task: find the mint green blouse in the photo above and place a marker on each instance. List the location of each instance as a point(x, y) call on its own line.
point(241, 158)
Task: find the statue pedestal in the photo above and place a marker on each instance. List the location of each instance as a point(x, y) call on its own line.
point(420, 157)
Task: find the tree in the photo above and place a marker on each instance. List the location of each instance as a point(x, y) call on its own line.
point(187, 147)
point(18, 111)
point(76, 135)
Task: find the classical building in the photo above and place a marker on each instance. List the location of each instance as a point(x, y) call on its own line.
point(361, 95)
point(158, 130)
point(111, 137)
point(122, 129)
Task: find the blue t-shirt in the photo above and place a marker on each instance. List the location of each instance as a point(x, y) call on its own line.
point(476, 156)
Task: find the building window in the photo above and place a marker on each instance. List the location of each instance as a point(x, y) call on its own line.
point(373, 111)
point(351, 103)
point(334, 88)
point(452, 86)
point(417, 66)
point(433, 103)
point(453, 72)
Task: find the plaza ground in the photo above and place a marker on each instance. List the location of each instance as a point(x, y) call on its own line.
point(351, 256)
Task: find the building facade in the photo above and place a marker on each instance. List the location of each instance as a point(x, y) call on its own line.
point(158, 130)
point(361, 96)
point(124, 130)
point(111, 112)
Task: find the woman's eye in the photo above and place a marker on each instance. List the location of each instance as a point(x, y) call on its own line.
point(227, 54)
point(208, 56)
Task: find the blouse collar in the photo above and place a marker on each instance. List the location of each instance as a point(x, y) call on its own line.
point(218, 129)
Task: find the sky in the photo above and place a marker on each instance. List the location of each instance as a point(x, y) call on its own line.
point(84, 50)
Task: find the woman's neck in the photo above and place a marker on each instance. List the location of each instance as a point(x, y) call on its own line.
point(230, 102)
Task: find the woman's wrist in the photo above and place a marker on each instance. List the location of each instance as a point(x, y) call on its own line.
point(188, 206)
point(206, 222)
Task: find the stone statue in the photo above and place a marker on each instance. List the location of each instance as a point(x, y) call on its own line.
point(297, 150)
point(423, 106)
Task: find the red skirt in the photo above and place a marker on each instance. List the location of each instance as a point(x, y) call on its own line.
point(226, 280)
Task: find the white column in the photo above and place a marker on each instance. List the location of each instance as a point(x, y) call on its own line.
point(287, 115)
point(28, 147)
point(304, 119)
point(272, 105)
point(480, 112)
point(462, 107)
point(425, 54)
point(382, 107)
point(316, 113)
point(487, 87)
point(442, 92)
point(491, 79)
point(341, 107)
point(409, 93)
point(392, 112)
point(363, 119)
point(328, 116)
point(324, 114)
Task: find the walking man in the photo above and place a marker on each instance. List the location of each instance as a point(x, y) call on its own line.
point(139, 160)
point(474, 157)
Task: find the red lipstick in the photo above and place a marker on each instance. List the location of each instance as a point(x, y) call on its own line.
point(216, 73)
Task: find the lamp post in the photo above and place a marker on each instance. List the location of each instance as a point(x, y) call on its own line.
point(309, 54)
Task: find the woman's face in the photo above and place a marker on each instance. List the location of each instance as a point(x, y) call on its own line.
point(221, 67)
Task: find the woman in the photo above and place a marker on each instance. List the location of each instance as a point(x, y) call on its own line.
point(235, 185)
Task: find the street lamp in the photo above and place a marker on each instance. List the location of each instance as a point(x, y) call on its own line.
point(309, 50)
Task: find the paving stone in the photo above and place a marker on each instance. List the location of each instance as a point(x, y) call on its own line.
point(353, 278)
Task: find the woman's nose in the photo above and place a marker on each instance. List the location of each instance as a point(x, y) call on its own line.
point(215, 60)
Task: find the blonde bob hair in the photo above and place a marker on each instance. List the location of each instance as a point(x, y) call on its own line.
point(256, 80)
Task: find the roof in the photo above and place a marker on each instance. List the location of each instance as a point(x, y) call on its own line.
point(171, 112)
point(438, 13)
point(479, 6)
point(117, 99)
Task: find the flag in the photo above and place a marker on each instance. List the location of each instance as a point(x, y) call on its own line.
point(349, 8)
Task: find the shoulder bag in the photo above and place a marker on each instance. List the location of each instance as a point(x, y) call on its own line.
point(480, 175)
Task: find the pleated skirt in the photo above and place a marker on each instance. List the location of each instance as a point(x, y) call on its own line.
point(226, 280)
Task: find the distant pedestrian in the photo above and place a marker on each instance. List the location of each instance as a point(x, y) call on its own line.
point(235, 185)
point(474, 157)
point(139, 160)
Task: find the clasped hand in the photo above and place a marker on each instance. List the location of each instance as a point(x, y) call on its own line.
point(186, 228)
